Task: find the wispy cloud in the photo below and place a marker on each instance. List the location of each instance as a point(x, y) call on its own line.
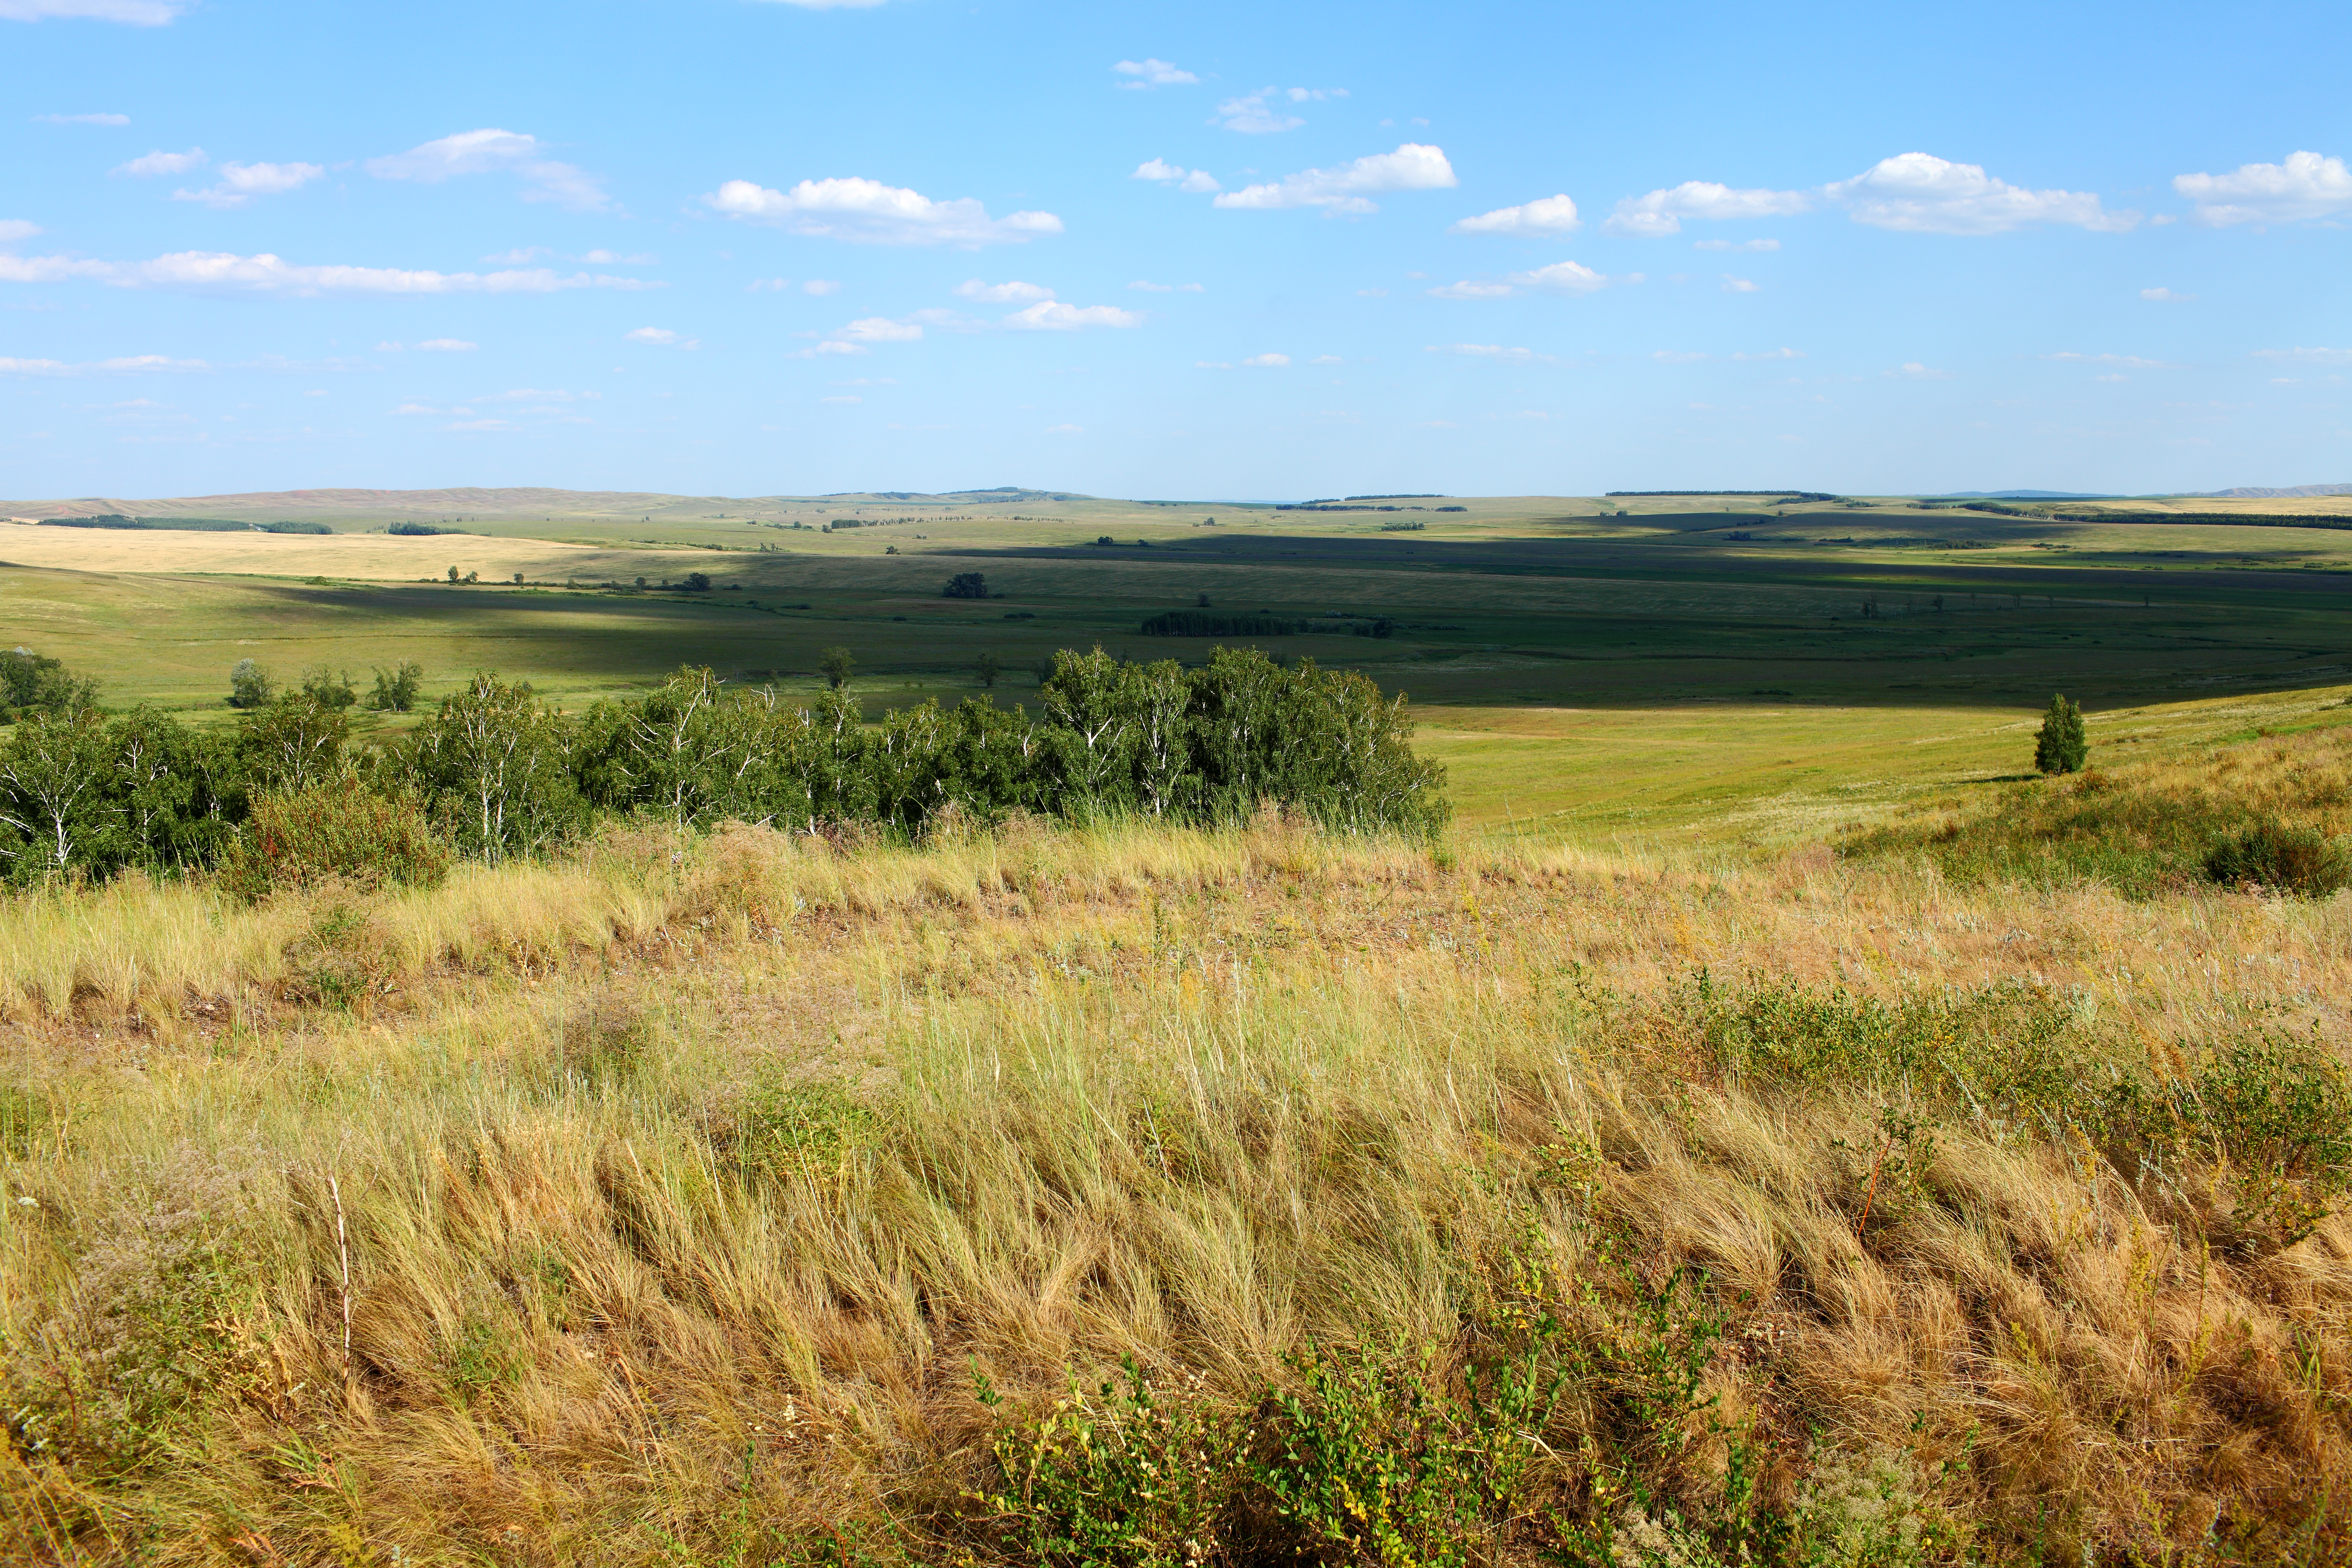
point(1147, 286)
point(1193, 180)
point(1013, 293)
point(240, 183)
point(159, 161)
point(136, 12)
point(661, 337)
point(870, 212)
point(1345, 187)
point(1911, 370)
point(2165, 296)
point(1735, 245)
point(1494, 352)
point(1148, 73)
point(1739, 285)
point(223, 272)
point(1267, 362)
point(1921, 194)
point(1662, 211)
point(1548, 214)
point(1559, 278)
point(130, 365)
point(490, 151)
point(2129, 362)
point(1052, 316)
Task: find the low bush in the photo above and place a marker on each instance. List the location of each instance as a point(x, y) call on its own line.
point(2282, 860)
point(333, 832)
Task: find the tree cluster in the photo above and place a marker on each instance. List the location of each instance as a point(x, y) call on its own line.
point(500, 773)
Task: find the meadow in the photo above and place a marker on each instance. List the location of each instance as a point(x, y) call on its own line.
point(1770, 1126)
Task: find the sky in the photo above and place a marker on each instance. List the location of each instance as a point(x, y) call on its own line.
point(1199, 251)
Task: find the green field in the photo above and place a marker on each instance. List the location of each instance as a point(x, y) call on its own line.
point(1579, 671)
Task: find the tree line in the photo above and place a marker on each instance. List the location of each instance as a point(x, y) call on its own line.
point(496, 772)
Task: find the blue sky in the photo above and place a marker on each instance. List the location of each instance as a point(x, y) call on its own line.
point(736, 246)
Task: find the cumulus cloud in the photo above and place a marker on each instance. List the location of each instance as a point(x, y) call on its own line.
point(82, 119)
point(661, 337)
point(161, 162)
point(446, 346)
point(1193, 180)
point(137, 13)
point(1267, 362)
point(1013, 293)
point(222, 272)
point(1559, 278)
point(1659, 214)
point(1911, 370)
point(1739, 285)
point(1492, 350)
point(1052, 316)
point(1344, 188)
point(878, 330)
point(2165, 296)
point(870, 212)
point(1251, 116)
point(613, 258)
point(490, 152)
point(1154, 73)
point(1548, 214)
point(1921, 194)
point(16, 228)
point(240, 183)
point(2305, 186)
point(130, 365)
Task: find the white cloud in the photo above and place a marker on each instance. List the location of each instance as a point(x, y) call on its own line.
point(82, 119)
point(137, 13)
point(1210, 364)
point(267, 274)
point(161, 162)
point(1154, 73)
point(521, 255)
point(821, 287)
point(1411, 167)
point(613, 258)
point(871, 213)
point(1676, 356)
point(1737, 245)
point(490, 151)
point(1548, 214)
point(1559, 278)
point(845, 397)
point(16, 228)
point(1492, 350)
point(1267, 362)
point(1052, 316)
point(1659, 214)
point(1196, 181)
point(767, 285)
point(1911, 370)
point(1013, 293)
point(2307, 356)
point(535, 394)
point(1251, 117)
point(878, 330)
point(131, 364)
point(1147, 286)
point(240, 183)
point(1738, 285)
point(662, 337)
point(1770, 354)
point(2165, 296)
point(1326, 359)
point(446, 346)
point(1920, 194)
point(2305, 186)
point(415, 408)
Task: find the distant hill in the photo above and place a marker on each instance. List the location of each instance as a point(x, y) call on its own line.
point(2018, 495)
point(520, 501)
point(2255, 492)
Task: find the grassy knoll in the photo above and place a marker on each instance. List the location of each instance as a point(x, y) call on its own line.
point(1164, 1197)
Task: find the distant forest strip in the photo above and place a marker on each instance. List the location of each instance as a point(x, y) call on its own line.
point(184, 524)
point(1205, 624)
point(495, 774)
point(1792, 495)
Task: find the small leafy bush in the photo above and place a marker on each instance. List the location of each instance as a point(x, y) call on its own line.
point(334, 833)
point(2299, 861)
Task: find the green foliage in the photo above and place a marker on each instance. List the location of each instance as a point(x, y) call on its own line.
point(494, 768)
point(92, 796)
point(329, 688)
point(697, 582)
point(965, 585)
point(1127, 1475)
point(292, 742)
point(838, 665)
point(24, 1119)
point(248, 685)
point(33, 683)
point(2059, 746)
point(2282, 860)
point(988, 666)
point(333, 832)
point(396, 690)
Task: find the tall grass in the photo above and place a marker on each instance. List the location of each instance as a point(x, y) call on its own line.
point(755, 1199)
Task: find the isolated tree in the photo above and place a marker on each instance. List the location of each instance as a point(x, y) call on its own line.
point(396, 690)
point(989, 668)
point(698, 582)
point(965, 585)
point(1202, 601)
point(838, 666)
point(518, 577)
point(453, 573)
point(2061, 746)
point(248, 686)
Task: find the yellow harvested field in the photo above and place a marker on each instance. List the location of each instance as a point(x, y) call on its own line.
point(370, 557)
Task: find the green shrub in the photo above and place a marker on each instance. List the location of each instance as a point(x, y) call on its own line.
point(34, 683)
point(2299, 861)
point(2061, 746)
point(333, 832)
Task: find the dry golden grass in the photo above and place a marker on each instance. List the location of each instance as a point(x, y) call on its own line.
point(682, 1186)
